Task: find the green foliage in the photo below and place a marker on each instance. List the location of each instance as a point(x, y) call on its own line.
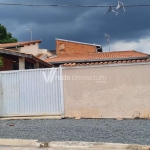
point(1, 62)
point(6, 37)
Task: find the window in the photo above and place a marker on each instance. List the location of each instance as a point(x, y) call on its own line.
point(15, 65)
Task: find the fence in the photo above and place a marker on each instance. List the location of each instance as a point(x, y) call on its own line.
point(31, 92)
point(111, 91)
point(107, 91)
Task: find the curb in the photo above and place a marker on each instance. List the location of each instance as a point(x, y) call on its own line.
point(98, 145)
point(88, 145)
point(31, 117)
point(19, 142)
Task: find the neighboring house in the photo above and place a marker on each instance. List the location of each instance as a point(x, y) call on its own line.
point(30, 47)
point(44, 54)
point(53, 52)
point(71, 53)
point(14, 60)
point(23, 55)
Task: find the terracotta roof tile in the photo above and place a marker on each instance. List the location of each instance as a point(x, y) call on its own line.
point(102, 63)
point(40, 55)
point(18, 44)
point(98, 56)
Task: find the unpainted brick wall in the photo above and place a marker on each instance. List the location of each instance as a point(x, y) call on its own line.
point(71, 48)
point(7, 64)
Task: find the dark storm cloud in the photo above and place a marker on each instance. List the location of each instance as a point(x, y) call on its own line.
point(80, 24)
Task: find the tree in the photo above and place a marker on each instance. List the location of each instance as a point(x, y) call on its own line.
point(6, 37)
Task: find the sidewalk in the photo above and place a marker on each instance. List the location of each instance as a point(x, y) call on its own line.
point(17, 144)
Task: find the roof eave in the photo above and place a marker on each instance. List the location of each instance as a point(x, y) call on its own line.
point(41, 61)
point(16, 46)
point(10, 52)
point(93, 60)
point(30, 56)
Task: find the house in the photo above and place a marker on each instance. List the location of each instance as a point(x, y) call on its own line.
point(23, 55)
point(14, 60)
point(72, 53)
point(91, 83)
point(28, 47)
point(103, 84)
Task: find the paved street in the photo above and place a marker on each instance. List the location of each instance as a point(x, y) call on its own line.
point(88, 130)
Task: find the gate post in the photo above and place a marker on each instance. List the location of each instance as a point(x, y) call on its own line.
point(1, 92)
point(62, 92)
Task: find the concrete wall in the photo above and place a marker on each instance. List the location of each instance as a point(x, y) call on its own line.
point(21, 63)
point(30, 49)
point(125, 94)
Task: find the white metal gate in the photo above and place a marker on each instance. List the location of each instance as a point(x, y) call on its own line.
point(31, 92)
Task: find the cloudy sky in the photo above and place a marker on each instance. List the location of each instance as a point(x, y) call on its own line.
point(128, 31)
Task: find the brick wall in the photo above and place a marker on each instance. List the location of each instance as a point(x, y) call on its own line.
point(7, 64)
point(71, 48)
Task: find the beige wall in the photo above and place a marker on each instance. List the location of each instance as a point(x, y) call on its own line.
point(30, 49)
point(21, 63)
point(125, 94)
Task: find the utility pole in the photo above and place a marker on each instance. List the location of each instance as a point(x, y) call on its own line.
point(107, 36)
point(30, 32)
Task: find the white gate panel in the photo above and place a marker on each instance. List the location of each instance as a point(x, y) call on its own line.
point(32, 92)
point(10, 93)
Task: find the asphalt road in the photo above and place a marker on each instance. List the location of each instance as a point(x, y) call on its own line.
point(89, 130)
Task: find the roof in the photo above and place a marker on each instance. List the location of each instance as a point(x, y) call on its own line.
point(52, 52)
point(19, 54)
point(42, 56)
point(18, 44)
point(78, 42)
point(105, 63)
point(115, 55)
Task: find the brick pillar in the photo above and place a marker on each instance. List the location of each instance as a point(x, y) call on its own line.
point(22, 63)
point(36, 65)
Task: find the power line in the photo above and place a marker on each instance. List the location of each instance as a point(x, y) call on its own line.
point(49, 5)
